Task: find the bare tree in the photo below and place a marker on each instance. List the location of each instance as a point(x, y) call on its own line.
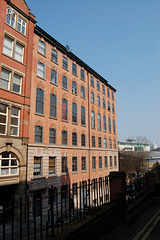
point(143, 140)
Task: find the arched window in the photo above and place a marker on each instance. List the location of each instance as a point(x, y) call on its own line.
point(8, 164)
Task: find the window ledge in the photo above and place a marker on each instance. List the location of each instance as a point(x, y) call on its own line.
point(52, 175)
point(11, 91)
point(76, 94)
point(83, 80)
point(64, 173)
point(54, 62)
point(75, 172)
point(41, 78)
point(74, 74)
point(41, 54)
point(16, 30)
point(39, 114)
point(74, 123)
point(65, 69)
point(53, 117)
point(55, 84)
point(63, 120)
point(13, 59)
point(65, 89)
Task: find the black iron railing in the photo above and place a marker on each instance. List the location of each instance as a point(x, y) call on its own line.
point(134, 188)
point(44, 217)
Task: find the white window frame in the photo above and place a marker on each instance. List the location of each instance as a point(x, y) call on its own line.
point(9, 167)
point(52, 172)
point(5, 46)
point(20, 85)
point(19, 54)
point(11, 15)
point(20, 23)
point(41, 47)
point(40, 71)
point(15, 126)
point(5, 80)
point(4, 124)
point(54, 79)
point(54, 55)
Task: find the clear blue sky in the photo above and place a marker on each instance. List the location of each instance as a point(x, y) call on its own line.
point(120, 39)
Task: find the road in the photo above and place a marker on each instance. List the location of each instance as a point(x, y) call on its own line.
point(147, 227)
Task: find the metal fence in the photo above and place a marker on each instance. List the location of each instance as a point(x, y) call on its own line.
point(43, 218)
point(134, 188)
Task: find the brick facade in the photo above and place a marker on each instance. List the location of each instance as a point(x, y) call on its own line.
point(56, 90)
point(16, 64)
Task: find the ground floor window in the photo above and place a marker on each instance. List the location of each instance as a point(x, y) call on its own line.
point(37, 171)
point(8, 164)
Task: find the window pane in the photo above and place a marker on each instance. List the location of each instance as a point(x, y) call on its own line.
point(54, 55)
point(3, 119)
point(52, 136)
point(40, 70)
point(53, 76)
point(14, 122)
point(64, 164)
point(41, 47)
point(8, 46)
point(17, 83)
point(52, 165)
point(5, 77)
point(53, 105)
point(14, 170)
point(74, 112)
point(64, 109)
point(37, 166)
point(83, 122)
point(39, 100)
point(11, 17)
point(21, 26)
point(64, 137)
point(19, 52)
point(64, 82)
point(38, 134)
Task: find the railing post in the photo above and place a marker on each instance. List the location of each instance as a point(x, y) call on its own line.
point(57, 207)
point(4, 221)
point(62, 208)
point(80, 199)
point(28, 226)
point(89, 194)
point(52, 212)
point(12, 219)
point(41, 216)
point(21, 218)
point(66, 195)
point(34, 216)
point(70, 209)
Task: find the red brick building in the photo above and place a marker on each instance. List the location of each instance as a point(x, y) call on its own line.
point(17, 29)
point(65, 111)
point(73, 131)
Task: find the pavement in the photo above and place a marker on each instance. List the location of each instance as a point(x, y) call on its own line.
point(146, 227)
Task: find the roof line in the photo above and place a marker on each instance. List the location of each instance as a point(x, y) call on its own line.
point(39, 31)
